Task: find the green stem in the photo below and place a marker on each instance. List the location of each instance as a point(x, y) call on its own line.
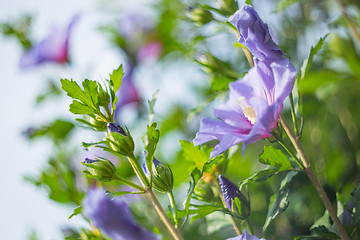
point(138, 170)
point(248, 223)
point(127, 182)
point(310, 172)
point(174, 209)
point(293, 116)
point(233, 220)
point(175, 233)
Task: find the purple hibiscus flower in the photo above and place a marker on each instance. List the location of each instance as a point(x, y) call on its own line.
point(245, 236)
point(54, 48)
point(253, 108)
point(113, 217)
point(255, 34)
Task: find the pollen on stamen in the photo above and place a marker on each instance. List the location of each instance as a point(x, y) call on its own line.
point(248, 111)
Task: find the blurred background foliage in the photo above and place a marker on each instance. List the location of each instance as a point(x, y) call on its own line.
point(195, 34)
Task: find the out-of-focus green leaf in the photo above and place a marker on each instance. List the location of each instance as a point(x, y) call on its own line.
point(313, 80)
point(52, 90)
point(77, 211)
point(356, 217)
point(115, 82)
point(283, 4)
point(194, 154)
point(202, 211)
point(195, 175)
point(280, 200)
point(57, 130)
point(314, 50)
point(151, 104)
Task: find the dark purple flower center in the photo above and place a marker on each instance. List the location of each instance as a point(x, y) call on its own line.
point(89, 161)
point(115, 127)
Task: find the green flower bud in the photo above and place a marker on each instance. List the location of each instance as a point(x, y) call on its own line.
point(203, 191)
point(103, 170)
point(200, 16)
point(98, 125)
point(120, 139)
point(227, 7)
point(162, 176)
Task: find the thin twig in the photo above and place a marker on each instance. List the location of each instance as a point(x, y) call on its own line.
point(310, 172)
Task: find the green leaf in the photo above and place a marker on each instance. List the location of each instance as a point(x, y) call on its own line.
point(274, 157)
point(261, 175)
point(356, 194)
point(104, 97)
point(115, 82)
point(314, 80)
point(77, 211)
point(58, 130)
point(281, 5)
point(150, 141)
point(195, 175)
point(193, 154)
point(151, 104)
point(280, 200)
point(91, 90)
point(88, 98)
point(87, 145)
point(121, 193)
point(314, 50)
point(202, 211)
point(77, 107)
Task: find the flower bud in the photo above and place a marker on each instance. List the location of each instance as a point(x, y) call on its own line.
point(227, 7)
point(203, 191)
point(103, 170)
point(120, 139)
point(98, 125)
point(162, 176)
point(200, 16)
point(235, 201)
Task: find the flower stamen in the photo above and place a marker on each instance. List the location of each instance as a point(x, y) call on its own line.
point(248, 111)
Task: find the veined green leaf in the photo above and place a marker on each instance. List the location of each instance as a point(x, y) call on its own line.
point(274, 157)
point(314, 50)
point(91, 90)
point(194, 154)
point(77, 107)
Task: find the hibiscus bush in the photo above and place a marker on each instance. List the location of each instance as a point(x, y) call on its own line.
point(225, 120)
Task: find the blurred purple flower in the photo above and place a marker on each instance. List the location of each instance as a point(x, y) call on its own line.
point(253, 108)
point(255, 34)
point(245, 236)
point(151, 50)
point(113, 217)
point(54, 48)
